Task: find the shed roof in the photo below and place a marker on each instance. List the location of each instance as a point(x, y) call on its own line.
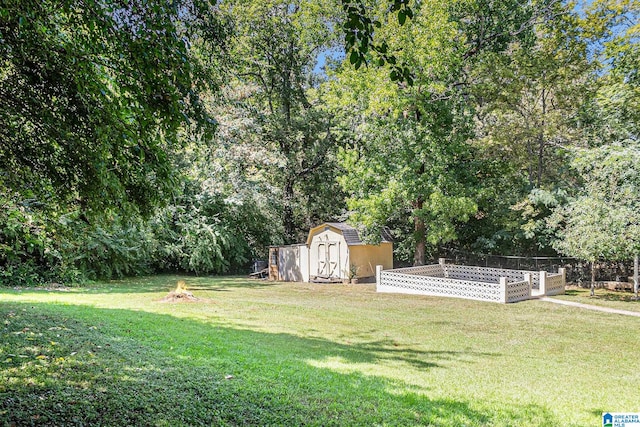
point(350, 234)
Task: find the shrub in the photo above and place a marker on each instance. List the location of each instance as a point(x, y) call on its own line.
point(30, 252)
point(111, 248)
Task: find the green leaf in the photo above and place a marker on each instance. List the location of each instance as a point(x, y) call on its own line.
point(402, 17)
point(354, 57)
point(409, 79)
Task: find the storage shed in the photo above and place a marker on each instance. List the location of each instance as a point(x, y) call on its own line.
point(289, 263)
point(336, 252)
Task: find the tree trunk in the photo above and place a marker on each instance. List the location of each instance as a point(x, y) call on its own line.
point(593, 278)
point(420, 237)
point(541, 141)
point(635, 275)
point(541, 145)
point(419, 253)
point(288, 222)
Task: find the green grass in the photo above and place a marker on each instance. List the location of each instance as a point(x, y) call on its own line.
point(621, 300)
point(260, 353)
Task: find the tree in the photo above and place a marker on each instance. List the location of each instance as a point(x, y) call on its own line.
point(30, 249)
point(417, 156)
point(613, 31)
point(276, 47)
point(603, 221)
point(407, 139)
point(360, 42)
point(94, 96)
point(610, 169)
point(532, 97)
point(532, 101)
point(402, 171)
point(223, 216)
point(488, 26)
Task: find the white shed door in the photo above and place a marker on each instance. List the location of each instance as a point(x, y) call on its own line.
point(328, 259)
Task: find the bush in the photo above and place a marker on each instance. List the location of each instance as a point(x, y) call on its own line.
point(204, 234)
point(200, 237)
point(30, 253)
point(113, 248)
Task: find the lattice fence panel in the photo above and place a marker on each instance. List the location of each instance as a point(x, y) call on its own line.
point(434, 270)
point(392, 281)
point(459, 281)
point(554, 284)
point(518, 291)
point(484, 274)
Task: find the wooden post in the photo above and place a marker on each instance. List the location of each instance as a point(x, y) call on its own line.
point(274, 273)
point(378, 275)
point(527, 277)
point(563, 271)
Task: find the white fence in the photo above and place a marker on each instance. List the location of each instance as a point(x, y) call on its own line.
point(477, 283)
point(553, 284)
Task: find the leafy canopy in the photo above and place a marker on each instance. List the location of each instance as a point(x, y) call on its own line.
point(95, 95)
point(604, 220)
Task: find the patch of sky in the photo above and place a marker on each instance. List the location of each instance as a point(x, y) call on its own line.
point(326, 58)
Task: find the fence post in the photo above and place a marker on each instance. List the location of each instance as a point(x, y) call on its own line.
point(503, 289)
point(543, 283)
point(378, 274)
point(563, 271)
point(527, 277)
point(441, 263)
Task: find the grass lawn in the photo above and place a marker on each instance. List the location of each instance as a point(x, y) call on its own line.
point(260, 353)
point(621, 300)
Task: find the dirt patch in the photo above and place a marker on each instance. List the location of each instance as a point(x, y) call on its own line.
point(179, 297)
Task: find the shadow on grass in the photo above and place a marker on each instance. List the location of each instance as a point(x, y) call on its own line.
point(73, 365)
point(389, 350)
point(193, 283)
point(621, 296)
point(160, 283)
point(604, 295)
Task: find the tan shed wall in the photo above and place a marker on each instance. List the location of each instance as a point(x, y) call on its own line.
point(366, 257)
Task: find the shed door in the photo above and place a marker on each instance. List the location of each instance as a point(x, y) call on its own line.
point(329, 259)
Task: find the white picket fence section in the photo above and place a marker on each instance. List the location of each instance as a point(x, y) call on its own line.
point(477, 283)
